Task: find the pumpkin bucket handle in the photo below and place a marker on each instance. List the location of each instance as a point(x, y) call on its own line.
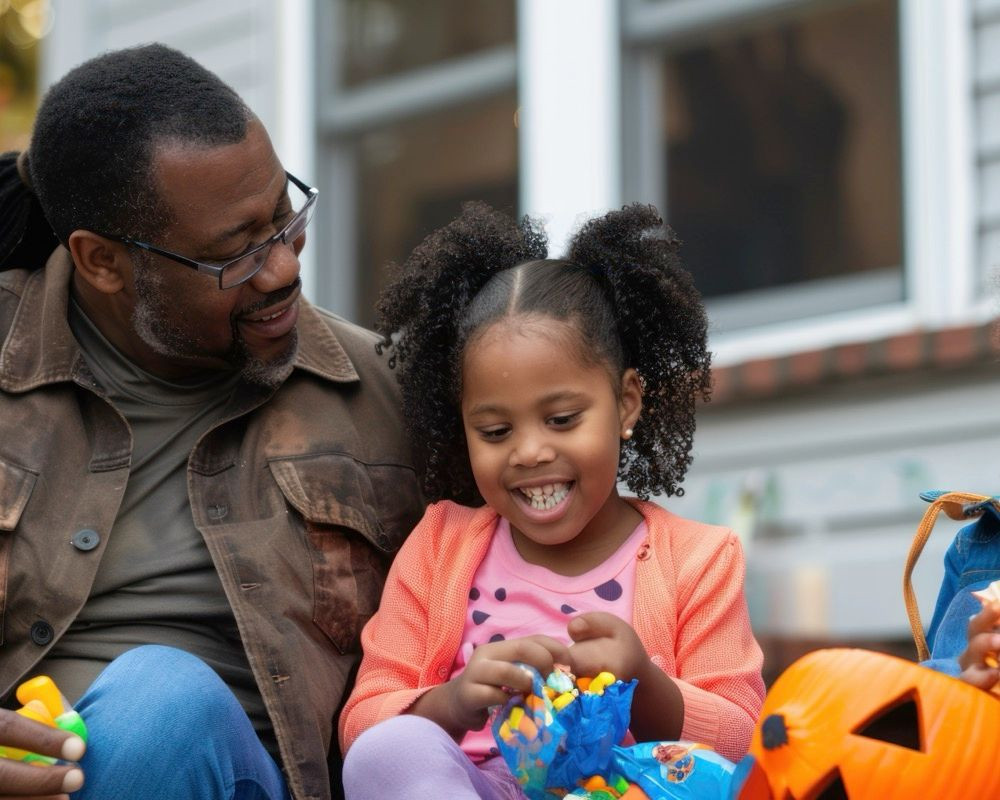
point(958, 506)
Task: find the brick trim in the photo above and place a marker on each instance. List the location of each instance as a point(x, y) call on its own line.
point(916, 350)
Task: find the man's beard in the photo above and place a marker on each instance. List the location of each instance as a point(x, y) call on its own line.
point(149, 322)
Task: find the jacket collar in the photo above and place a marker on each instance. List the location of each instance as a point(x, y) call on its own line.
point(40, 348)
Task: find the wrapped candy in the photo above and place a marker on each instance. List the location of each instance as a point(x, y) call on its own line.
point(676, 770)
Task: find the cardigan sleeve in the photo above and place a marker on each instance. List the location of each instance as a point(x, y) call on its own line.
point(394, 641)
point(718, 660)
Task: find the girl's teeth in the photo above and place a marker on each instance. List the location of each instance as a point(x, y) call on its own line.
point(548, 496)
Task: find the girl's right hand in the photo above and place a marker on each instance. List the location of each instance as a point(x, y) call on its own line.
point(491, 676)
point(983, 649)
point(19, 780)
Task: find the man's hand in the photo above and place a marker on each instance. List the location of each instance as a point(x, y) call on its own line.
point(980, 659)
point(491, 676)
point(20, 780)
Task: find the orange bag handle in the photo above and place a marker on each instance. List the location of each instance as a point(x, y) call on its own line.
point(958, 506)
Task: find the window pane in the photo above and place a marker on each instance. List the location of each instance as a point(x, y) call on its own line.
point(783, 153)
point(414, 176)
point(385, 37)
point(22, 25)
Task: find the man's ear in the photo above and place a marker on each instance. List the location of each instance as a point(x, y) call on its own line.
point(102, 263)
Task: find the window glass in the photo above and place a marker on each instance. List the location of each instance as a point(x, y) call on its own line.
point(782, 145)
point(413, 177)
point(23, 23)
point(384, 37)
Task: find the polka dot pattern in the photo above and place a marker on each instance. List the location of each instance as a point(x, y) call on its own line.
point(609, 591)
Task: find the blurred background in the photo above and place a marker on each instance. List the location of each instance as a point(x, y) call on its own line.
point(832, 166)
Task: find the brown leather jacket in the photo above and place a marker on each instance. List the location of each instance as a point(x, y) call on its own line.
point(301, 495)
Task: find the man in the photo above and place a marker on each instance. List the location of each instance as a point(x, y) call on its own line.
point(191, 456)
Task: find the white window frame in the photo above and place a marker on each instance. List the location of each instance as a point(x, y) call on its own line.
point(569, 54)
point(347, 112)
point(938, 166)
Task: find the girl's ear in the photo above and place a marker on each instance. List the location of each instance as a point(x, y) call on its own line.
point(99, 261)
point(630, 404)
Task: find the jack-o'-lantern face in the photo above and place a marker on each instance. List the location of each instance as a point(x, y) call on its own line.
point(867, 726)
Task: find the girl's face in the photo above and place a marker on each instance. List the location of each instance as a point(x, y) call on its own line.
point(544, 430)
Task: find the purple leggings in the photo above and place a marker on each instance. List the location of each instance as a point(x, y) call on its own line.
point(410, 756)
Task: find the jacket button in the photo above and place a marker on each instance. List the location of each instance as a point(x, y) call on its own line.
point(218, 511)
point(643, 553)
point(86, 539)
point(442, 672)
point(41, 633)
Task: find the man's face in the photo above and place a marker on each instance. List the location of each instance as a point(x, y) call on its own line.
point(220, 200)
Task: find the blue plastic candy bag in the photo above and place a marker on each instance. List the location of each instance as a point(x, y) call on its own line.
point(548, 749)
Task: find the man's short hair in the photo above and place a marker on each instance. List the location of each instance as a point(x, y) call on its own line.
point(97, 130)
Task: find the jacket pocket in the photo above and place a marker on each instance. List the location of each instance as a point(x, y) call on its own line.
point(349, 542)
point(16, 484)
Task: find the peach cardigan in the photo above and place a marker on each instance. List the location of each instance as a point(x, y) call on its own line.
point(689, 612)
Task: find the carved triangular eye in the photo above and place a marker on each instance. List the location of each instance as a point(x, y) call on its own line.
point(834, 788)
point(898, 724)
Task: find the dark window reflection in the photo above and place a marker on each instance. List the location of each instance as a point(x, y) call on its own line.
point(783, 150)
point(384, 37)
point(415, 175)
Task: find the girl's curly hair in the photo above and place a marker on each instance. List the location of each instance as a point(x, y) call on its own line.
point(622, 287)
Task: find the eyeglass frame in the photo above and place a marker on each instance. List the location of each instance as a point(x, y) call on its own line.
point(216, 270)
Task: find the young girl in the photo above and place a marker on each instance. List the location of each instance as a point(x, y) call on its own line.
point(534, 386)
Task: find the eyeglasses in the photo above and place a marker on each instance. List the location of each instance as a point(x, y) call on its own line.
point(243, 267)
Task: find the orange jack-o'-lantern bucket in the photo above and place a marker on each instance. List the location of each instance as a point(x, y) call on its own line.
point(855, 724)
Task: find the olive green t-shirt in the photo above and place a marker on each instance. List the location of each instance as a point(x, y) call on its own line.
point(156, 583)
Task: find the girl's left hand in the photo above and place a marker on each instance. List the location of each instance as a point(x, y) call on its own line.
point(604, 642)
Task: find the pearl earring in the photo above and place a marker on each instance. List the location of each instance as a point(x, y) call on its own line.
point(627, 434)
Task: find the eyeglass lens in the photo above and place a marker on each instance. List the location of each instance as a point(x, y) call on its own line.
point(248, 266)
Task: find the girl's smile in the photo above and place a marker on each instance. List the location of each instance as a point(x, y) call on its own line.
point(544, 429)
point(546, 502)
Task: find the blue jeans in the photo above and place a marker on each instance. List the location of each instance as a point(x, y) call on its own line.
point(971, 563)
point(163, 724)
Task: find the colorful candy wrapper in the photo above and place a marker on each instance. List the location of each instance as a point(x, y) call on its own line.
point(548, 749)
point(676, 770)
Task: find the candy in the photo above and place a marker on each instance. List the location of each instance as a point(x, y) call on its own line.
point(561, 680)
point(600, 682)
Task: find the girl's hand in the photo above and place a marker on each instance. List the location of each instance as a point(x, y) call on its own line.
point(604, 642)
point(491, 676)
point(979, 661)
